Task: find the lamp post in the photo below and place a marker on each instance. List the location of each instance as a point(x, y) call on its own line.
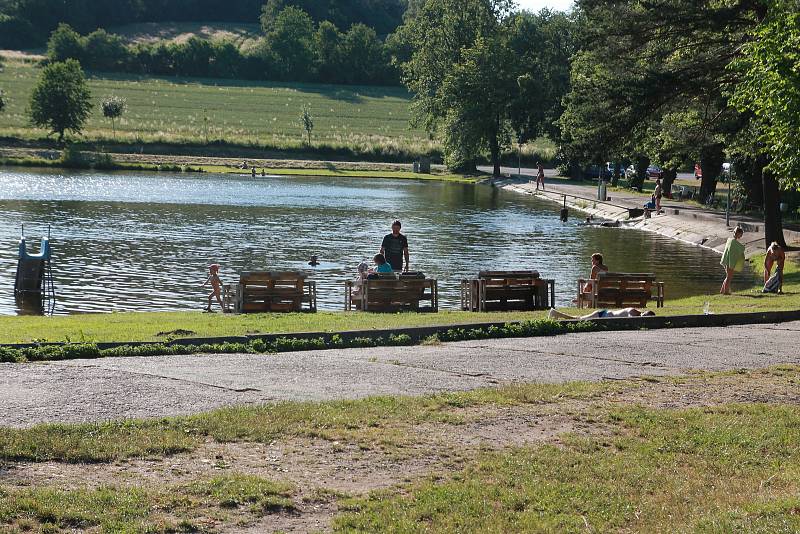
point(728, 173)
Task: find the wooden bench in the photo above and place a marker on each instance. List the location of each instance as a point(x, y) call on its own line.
point(273, 292)
point(621, 290)
point(390, 293)
point(507, 290)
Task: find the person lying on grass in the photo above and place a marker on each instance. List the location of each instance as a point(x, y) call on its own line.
point(603, 314)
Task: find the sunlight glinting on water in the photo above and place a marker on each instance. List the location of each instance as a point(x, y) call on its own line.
point(142, 241)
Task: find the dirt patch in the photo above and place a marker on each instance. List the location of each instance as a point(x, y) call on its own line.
point(178, 332)
point(323, 471)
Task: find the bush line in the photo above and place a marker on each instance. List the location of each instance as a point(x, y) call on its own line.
point(74, 351)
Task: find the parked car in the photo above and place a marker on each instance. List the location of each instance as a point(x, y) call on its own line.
point(654, 171)
point(592, 172)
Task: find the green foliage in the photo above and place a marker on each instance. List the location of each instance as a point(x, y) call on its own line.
point(479, 73)
point(293, 50)
point(2, 101)
point(288, 343)
point(289, 44)
point(61, 99)
point(770, 88)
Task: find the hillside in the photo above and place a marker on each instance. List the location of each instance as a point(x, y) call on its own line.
point(244, 36)
point(372, 120)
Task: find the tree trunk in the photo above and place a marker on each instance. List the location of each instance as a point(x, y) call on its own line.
point(642, 162)
point(669, 178)
point(495, 151)
point(773, 225)
point(711, 159)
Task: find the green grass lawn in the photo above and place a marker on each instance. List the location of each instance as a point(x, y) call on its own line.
point(719, 469)
point(628, 467)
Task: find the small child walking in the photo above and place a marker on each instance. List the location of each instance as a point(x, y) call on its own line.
point(216, 286)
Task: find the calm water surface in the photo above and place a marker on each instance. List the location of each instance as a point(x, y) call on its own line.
point(141, 242)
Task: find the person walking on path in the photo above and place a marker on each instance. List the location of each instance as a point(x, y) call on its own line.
point(658, 192)
point(732, 259)
point(539, 176)
point(395, 248)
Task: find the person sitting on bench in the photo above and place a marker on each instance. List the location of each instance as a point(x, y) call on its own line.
point(603, 314)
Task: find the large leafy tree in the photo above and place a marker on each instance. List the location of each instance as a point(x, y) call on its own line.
point(654, 66)
point(477, 94)
point(61, 100)
point(291, 43)
point(770, 88)
point(480, 73)
point(439, 35)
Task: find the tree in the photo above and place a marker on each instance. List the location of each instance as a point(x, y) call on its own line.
point(61, 100)
point(291, 42)
point(65, 43)
point(770, 89)
point(113, 108)
point(669, 60)
point(477, 94)
point(327, 44)
point(440, 37)
point(307, 121)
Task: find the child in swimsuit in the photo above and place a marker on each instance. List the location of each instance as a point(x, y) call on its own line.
point(216, 286)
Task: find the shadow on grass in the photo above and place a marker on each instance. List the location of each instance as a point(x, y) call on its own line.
point(353, 94)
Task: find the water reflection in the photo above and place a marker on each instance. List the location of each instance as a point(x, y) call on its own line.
point(143, 241)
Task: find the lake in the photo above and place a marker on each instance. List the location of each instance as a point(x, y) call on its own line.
point(142, 241)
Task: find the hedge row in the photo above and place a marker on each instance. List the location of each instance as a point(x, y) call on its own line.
point(539, 327)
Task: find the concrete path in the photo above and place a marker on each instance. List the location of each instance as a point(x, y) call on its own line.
point(679, 220)
point(92, 390)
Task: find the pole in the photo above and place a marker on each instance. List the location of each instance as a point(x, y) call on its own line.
point(519, 159)
point(728, 206)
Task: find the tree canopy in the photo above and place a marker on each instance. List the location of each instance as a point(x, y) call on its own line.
point(482, 75)
point(60, 100)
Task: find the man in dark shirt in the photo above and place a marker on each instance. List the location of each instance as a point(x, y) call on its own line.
point(395, 248)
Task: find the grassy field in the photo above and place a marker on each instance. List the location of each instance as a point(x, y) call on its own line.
point(618, 461)
point(368, 122)
point(176, 110)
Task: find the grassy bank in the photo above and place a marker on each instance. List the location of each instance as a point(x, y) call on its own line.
point(163, 326)
point(624, 464)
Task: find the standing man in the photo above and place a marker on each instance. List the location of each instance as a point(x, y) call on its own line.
point(395, 248)
point(539, 176)
point(658, 192)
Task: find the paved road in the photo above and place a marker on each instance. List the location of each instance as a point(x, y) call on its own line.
point(91, 390)
point(116, 388)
